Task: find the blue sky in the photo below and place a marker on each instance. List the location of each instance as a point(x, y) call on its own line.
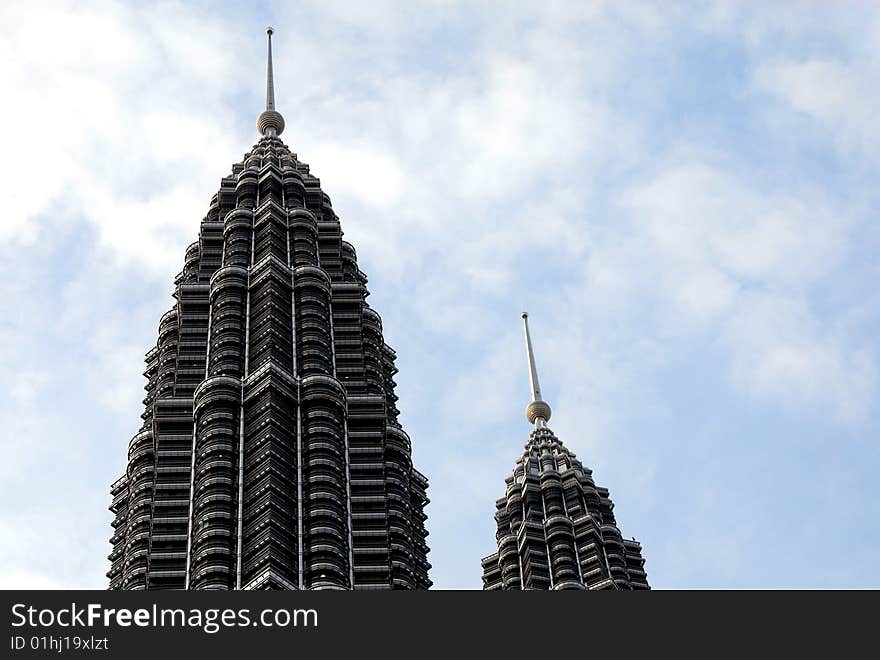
point(683, 196)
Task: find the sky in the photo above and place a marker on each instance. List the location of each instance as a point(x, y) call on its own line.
point(682, 195)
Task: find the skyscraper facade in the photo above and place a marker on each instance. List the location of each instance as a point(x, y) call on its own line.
point(270, 455)
point(555, 527)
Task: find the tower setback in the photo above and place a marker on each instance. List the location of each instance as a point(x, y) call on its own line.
point(270, 455)
point(555, 527)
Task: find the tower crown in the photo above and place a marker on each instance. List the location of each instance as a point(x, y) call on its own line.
point(538, 411)
point(270, 123)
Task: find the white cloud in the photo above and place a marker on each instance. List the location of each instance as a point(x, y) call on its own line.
point(26, 580)
point(700, 218)
point(782, 352)
point(840, 96)
point(367, 174)
point(122, 110)
point(732, 260)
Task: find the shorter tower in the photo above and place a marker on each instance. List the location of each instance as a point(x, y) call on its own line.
point(556, 527)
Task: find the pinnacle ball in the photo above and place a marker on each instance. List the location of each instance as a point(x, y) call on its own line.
point(270, 119)
point(538, 409)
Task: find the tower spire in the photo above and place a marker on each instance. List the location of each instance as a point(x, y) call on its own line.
point(270, 123)
point(538, 411)
point(270, 82)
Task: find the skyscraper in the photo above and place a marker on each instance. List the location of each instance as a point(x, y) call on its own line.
point(270, 455)
point(556, 527)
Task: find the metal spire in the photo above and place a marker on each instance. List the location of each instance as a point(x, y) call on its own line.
point(270, 82)
point(270, 123)
point(538, 411)
point(533, 372)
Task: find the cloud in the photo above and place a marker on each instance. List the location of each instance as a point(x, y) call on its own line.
point(25, 580)
point(121, 108)
point(724, 257)
point(837, 95)
point(367, 175)
point(782, 352)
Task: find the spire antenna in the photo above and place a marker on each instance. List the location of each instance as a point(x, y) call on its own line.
point(270, 81)
point(270, 123)
point(538, 411)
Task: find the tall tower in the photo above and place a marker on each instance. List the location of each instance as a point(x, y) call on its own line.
point(270, 455)
point(556, 527)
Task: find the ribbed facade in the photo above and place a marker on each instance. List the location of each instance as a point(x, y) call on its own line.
point(556, 527)
point(270, 454)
